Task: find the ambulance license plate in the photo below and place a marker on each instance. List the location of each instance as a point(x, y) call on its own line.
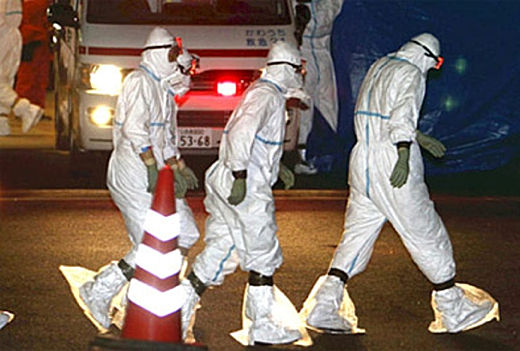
point(199, 138)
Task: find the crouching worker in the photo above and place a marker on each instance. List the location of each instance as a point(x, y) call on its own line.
point(144, 141)
point(241, 227)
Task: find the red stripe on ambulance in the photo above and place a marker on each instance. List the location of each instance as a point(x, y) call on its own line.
point(201, 52)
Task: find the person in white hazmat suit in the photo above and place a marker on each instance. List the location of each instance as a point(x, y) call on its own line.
point(144, 141)
point(320, 81)
point(241, 227)
point(10, 56)
point(386, 179)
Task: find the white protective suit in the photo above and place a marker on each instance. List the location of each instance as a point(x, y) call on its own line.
point(10, 55)
point(252, 140)
point(320, 81)
point(386, 112)
point(245, 234)
point(145, 117)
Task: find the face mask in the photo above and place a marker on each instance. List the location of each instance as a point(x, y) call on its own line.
point(187, 66)
point(177, 82)
point(297, 81)
point(181, 87)
point(188, 63)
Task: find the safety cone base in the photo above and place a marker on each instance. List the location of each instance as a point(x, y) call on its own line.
point(109, 342)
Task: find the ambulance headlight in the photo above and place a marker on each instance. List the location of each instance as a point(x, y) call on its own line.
point(101, 116)
point(101, 79)
point(107, 79)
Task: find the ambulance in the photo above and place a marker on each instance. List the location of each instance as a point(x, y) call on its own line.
point(98, 42)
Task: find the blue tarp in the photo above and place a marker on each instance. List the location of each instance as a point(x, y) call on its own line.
point(472, 105)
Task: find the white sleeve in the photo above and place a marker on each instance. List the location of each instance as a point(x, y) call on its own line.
point(405, 112)
point(136, 123)
point(248, 119)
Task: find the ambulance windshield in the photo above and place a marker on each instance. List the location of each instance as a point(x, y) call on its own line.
point(189, 12)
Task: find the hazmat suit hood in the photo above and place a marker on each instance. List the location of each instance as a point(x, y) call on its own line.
point(417, 55)
point(155, 54)
point(282, 74)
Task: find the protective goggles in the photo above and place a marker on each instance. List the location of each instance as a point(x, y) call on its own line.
point(297, 68)
point(175, 48)
point(429, 53)
point(192, 68)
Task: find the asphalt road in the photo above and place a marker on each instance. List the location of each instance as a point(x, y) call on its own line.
point(41, 230)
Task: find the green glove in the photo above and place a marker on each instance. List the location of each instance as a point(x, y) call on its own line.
point(191, 179)
point(401, 168)
point(238, 191)
point(286, 176)
point(181, 186)
point(151, 171)
point(432, 145)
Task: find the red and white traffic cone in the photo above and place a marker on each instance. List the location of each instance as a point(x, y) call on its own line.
point(155, 298)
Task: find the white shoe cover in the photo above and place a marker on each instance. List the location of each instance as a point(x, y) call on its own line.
point(460, 308)
point(21, 107)
point(329, 309)
point(97, 294)
point(5, 318)
point(31, 118)
point(268, 317)
point(188, 311)
point(4, 126)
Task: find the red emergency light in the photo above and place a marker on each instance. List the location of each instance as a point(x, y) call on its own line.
point(226, 88)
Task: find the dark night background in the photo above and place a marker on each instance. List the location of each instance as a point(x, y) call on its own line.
point(471, 105)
